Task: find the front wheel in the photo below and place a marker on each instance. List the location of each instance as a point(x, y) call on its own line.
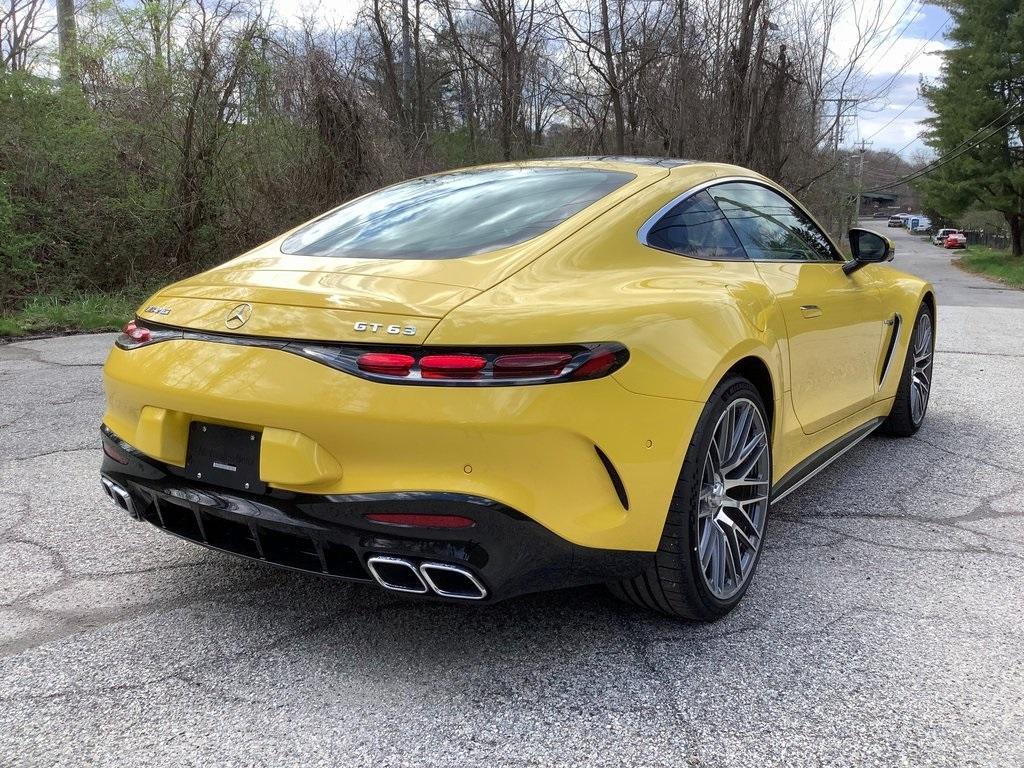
point(716, 521)
point(911, 403)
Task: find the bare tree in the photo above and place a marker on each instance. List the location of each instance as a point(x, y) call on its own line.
point(22, 30)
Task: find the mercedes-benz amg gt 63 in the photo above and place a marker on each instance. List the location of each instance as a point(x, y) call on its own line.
point(518, 377)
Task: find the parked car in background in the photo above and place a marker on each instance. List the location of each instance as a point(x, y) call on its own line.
point(955, 240)
point(940, 237)
point(919, 225)
point(897, 221)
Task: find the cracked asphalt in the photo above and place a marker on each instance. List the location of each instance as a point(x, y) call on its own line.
point(883, 627)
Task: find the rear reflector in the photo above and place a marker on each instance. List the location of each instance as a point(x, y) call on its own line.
point(114, 452)
point(420, 521)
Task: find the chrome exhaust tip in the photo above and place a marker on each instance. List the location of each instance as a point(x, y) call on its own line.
point(396, 574)
point(452, 581)
point(119, 496)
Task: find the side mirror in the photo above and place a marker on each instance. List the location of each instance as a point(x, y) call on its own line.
point(868, 248)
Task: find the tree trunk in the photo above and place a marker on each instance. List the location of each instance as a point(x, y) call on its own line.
point(614, 91)
point(406, 68)
point(67, 40)
point(1016, 231)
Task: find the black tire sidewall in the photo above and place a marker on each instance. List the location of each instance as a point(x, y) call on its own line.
point(685, 502)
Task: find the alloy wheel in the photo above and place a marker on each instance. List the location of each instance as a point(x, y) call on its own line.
point(733, 501)
point(921, 367)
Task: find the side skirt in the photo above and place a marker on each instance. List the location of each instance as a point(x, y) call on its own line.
point(821, 458)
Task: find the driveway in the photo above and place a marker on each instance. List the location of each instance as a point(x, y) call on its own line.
point(884, 626)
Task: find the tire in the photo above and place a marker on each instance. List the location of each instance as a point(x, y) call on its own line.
point(703, 517)
point(911, 403)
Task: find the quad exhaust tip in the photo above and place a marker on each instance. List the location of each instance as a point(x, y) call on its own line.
point(396, 574)
point(400, 575)
point(119, 496)
point(452, 581)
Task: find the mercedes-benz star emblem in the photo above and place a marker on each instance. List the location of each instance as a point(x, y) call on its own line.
point(238, 316)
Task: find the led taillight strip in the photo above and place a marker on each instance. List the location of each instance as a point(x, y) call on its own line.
point(474, 366)
point(428, 366)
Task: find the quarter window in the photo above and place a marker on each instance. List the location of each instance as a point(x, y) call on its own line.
point(696, 227)
point(770, 227)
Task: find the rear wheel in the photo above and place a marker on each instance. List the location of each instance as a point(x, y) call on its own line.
point(716, 521)
point(911, 403)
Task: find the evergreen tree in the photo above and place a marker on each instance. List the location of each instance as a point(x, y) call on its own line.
point(982, 84)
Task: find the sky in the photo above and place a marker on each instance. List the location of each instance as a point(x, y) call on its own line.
point(893, 121)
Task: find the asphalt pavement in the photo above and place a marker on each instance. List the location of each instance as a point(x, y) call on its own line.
point(883, 627)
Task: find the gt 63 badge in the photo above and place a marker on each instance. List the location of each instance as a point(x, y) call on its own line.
point(393, 330)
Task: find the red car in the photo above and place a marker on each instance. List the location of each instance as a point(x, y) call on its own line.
point(955, 240)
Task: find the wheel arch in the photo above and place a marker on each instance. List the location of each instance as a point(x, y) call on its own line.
point(756, 371)
point(929, 299)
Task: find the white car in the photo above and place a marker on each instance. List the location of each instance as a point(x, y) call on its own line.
point(939, 238)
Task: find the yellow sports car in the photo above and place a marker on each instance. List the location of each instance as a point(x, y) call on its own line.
point(518, 377)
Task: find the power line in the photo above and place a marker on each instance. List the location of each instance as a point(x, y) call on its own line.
point(954, 153)
point(912, 57)
point(897, 117)
point(969, 136)
point(902, 69)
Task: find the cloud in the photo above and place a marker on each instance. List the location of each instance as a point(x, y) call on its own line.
point(911, 39)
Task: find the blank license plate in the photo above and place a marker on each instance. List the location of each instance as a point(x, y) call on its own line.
point(224, 456)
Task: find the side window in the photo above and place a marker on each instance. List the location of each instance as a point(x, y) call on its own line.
point(769, 226)
point(696, 227)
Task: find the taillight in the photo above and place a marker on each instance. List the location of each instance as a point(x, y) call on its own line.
point(389, 363)
point(543, 363)
point(135, 335)
point(600, 364)
point(445, 366)
point(469, 367)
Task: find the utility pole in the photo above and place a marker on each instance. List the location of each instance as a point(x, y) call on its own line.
point(837, 129)
point(860, 173)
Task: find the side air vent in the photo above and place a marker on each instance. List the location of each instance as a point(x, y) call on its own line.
point(613, 475)
point(893, 338)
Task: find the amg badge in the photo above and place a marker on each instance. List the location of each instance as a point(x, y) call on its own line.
point(394, 330)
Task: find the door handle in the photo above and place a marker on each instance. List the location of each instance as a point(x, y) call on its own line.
point(810, 310)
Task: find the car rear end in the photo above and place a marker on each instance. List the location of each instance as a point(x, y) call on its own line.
point(291, 408)
point(955, 240)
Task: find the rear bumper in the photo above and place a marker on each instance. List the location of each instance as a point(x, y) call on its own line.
point(506, 552)
point(590, 461)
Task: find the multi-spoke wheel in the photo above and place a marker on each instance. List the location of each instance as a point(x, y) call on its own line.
point(715, 527)
point(921, 367)
point(911, 403)
point(733, 502)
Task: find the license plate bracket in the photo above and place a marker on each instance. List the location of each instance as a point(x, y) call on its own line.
point(224, 456)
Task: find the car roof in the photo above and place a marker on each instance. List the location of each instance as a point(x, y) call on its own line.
point(662, 162)
point(639, 166)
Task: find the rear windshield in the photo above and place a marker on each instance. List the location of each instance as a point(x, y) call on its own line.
point(455, 214)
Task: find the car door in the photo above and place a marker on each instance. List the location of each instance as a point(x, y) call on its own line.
point(834, 321)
